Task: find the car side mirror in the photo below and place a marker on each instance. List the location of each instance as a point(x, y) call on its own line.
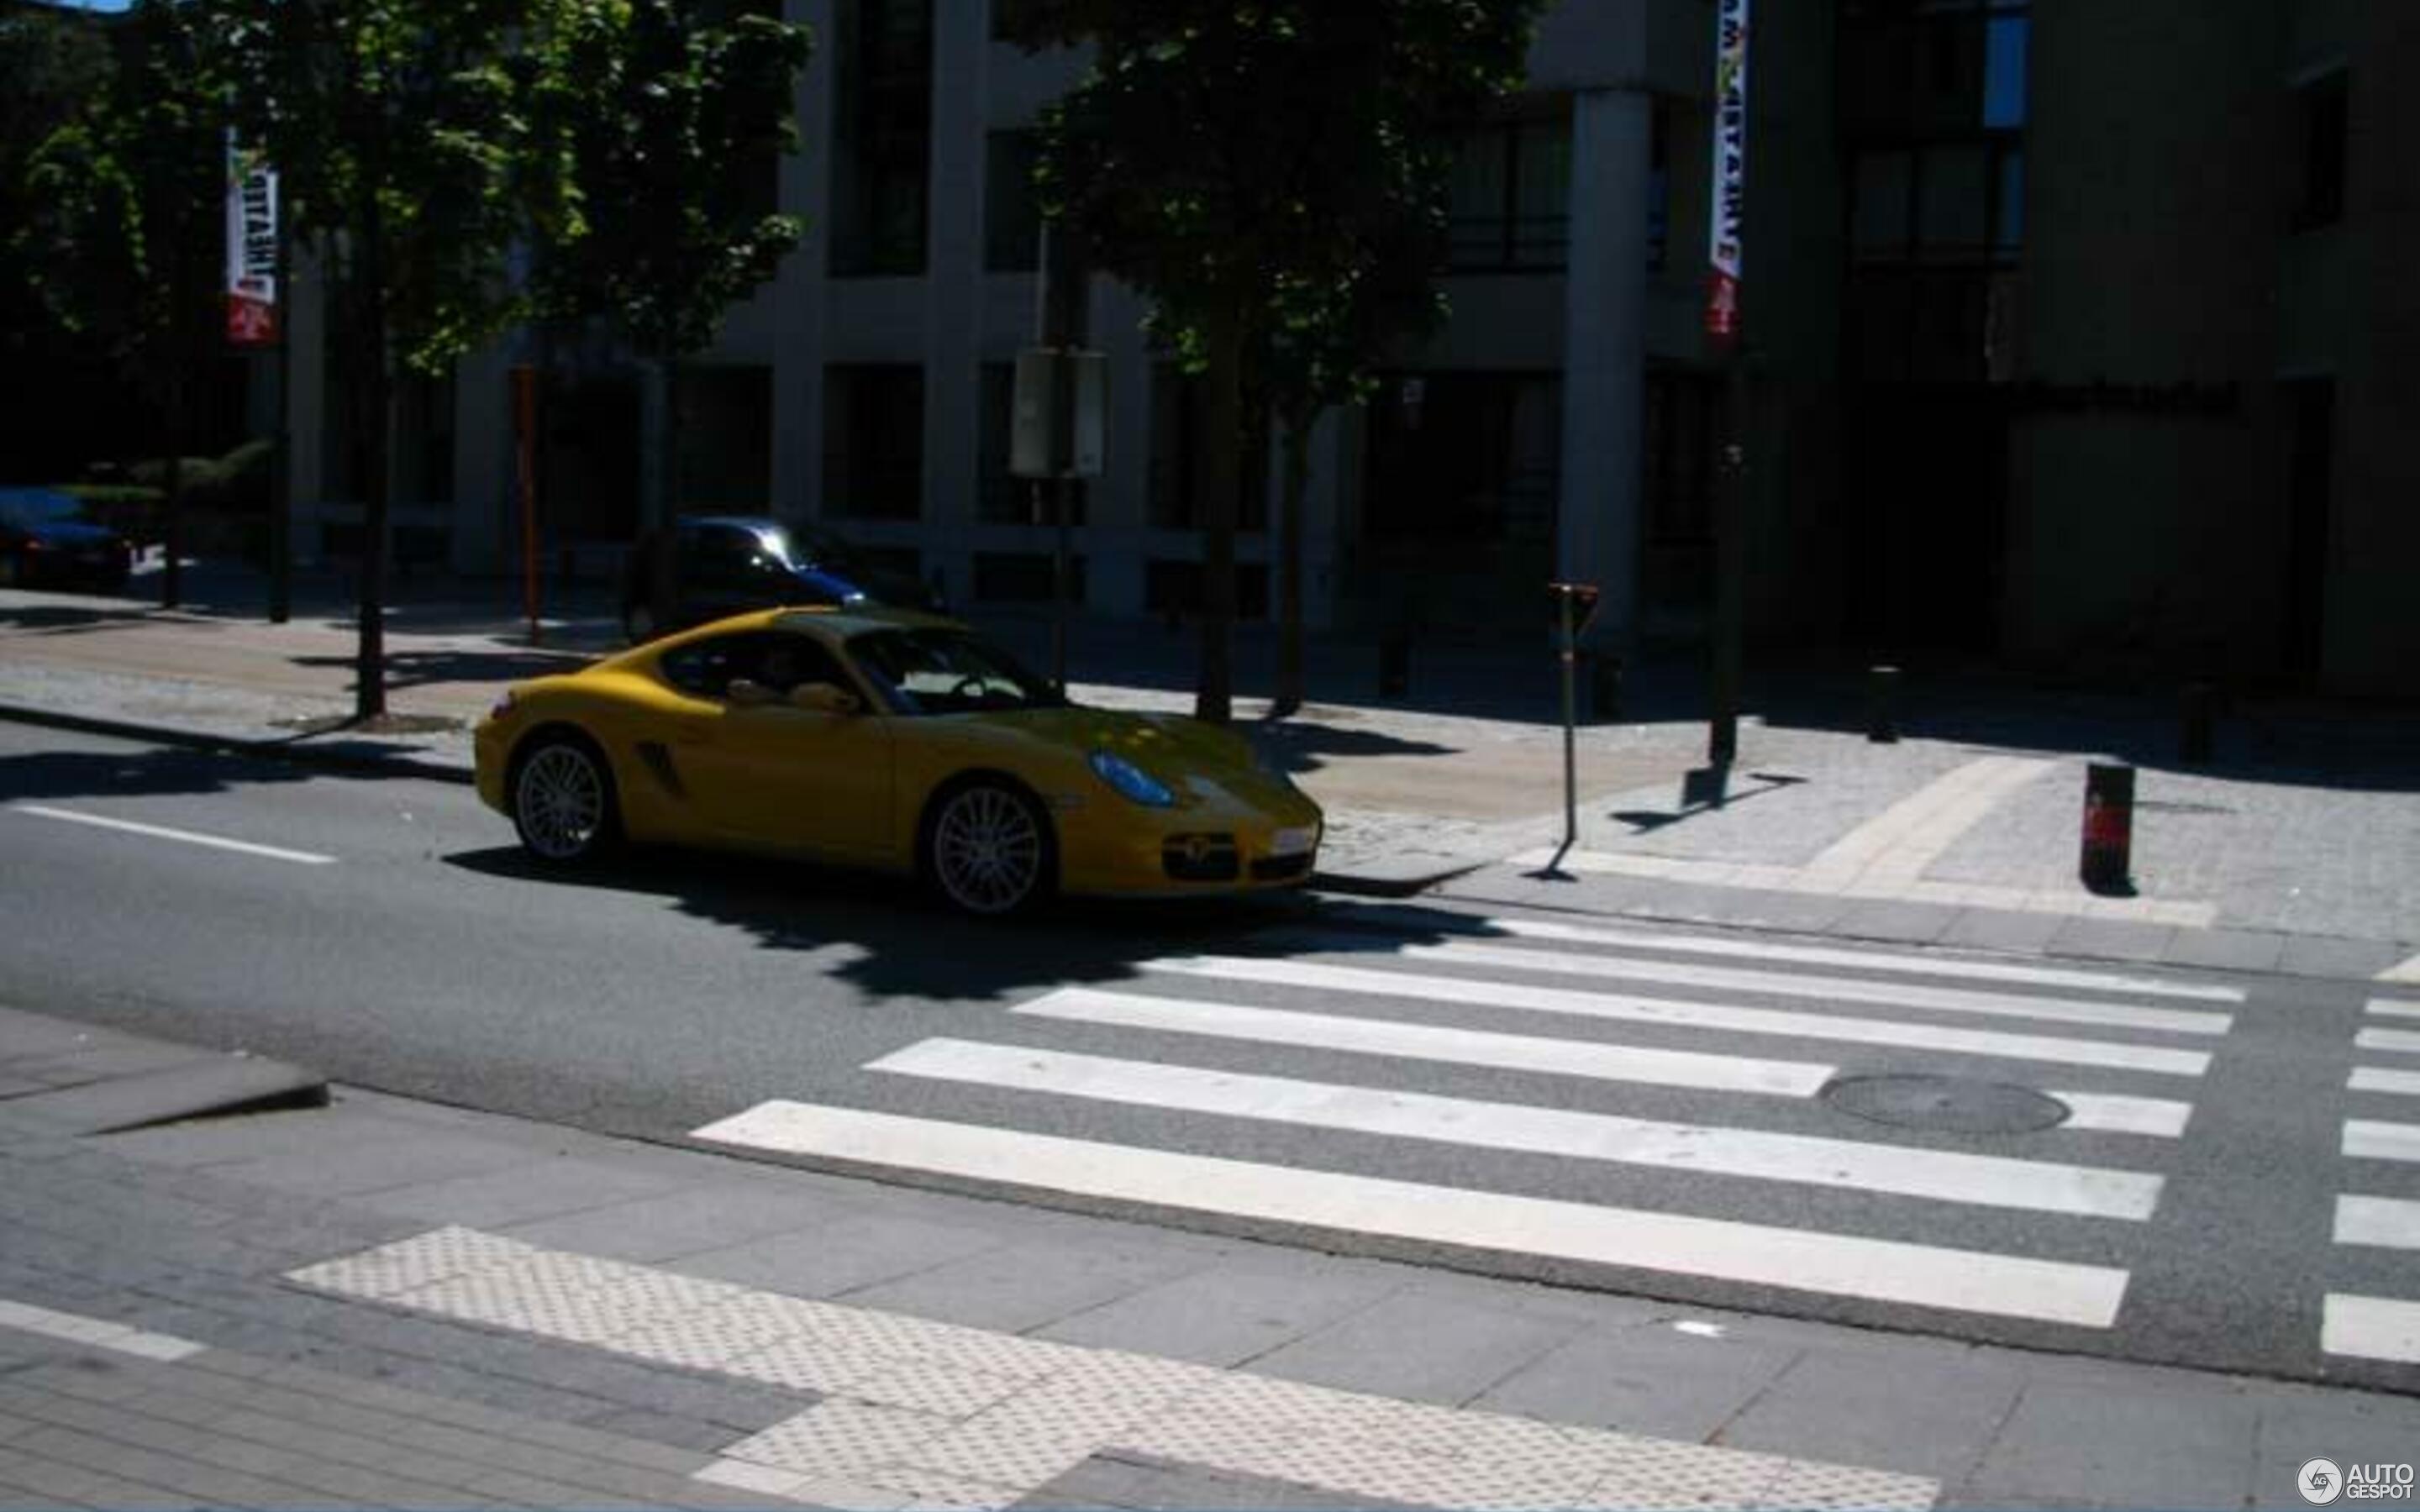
point(824, 698)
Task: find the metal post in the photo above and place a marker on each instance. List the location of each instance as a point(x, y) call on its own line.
point(1722, 734)
point(1570, 719)
point(281, 467)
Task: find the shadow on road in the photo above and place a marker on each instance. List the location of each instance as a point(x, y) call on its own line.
point(419, 668)
point(1298, 747)
point(910, 946)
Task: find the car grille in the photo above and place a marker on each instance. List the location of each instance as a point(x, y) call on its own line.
point(1201, 858)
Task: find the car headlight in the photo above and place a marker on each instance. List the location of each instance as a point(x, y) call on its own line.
point(1133, 783)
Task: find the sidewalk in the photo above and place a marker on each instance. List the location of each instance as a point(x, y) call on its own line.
point(388, 1303)
point(2297, 849)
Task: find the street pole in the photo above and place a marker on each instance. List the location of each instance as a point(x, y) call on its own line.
point(1731, 489)
point(1726, 255)
point(1571, 723)
point(281, 465)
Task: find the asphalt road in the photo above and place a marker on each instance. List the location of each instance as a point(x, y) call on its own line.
point(388, 933)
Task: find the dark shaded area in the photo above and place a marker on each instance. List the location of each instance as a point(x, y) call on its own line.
point(795, 907)
point(1703, 790)
point(183, 771)
point(415, 669)
point(1306, 747)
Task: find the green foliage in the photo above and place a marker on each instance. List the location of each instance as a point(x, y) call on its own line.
point(51, 63)
point(674, 124)
point(124, 227)
point(411, 143)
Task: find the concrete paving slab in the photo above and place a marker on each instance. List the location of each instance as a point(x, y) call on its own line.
point(1222, 1316)
point(194, 1087)
point(1432, 1351)
point(2317, 955)
point(1930, 1417)
point(2123, 1447)
point(2113, 939)
point(1888, 919)
point(1649, 1380)
point(352, 1169)
point(861, 1250)
point(2001, 929)
point(534, 1191)
point(660, 1223)
point(2226, 949)
point(1014, 1288)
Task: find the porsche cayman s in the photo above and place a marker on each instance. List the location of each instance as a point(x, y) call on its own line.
point(893, 740)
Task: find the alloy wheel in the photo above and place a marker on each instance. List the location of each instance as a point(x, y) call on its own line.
point(987, 850)
point(560, 802)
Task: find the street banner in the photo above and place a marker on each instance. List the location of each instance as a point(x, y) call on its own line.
point(1729, 216)
point(252, 248)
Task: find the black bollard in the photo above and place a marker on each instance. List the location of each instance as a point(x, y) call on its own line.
point(2201, 706)
point(2108, 827)
point(1881, 705)
point(1394, 664)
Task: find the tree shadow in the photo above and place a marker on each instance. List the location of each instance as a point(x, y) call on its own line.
point(420, 669)
point(1297, 746)
point(154, 772)
point(908, 945)
point(1705, 790)
point(66, 619)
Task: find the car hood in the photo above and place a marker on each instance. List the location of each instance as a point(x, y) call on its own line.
point(1193, 757)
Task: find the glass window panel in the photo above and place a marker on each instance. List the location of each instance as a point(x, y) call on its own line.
point(2008, 226)
point(1883, 181)
point(1012, 220)
point(2006, 43)
point(1542, 193)
point(1953, 206)
point(1475, 199)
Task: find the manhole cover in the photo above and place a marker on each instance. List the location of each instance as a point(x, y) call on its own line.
point(1950, 1105)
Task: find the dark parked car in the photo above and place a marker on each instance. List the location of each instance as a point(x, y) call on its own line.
point(726, 564)
point(48, 540)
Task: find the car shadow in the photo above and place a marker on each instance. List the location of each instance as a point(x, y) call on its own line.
point(420, 669)
point(906, 945)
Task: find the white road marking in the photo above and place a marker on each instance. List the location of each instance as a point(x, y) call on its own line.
point(1428, 1042)
point(1944, 1176)
point(2383, 1079)
point(2370, 1140)
point(2393, 1007)
point(2393, 1222)
point(2370, 1328)
point(2400, 1040)
point(1840, 989)
point(1716, 1016)
point(99, 1332)
point(2109, 1113)
point(1753, 1253)
point(1822, 955)
point(162, 832)
point(2403, 971)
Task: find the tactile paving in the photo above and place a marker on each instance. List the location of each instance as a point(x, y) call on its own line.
point(412, 1263)
point(841, 1437)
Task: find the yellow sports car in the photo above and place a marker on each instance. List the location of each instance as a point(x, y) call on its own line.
point(888, 739)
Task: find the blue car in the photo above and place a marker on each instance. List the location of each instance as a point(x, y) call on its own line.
point(725, 565)
point(48, 540)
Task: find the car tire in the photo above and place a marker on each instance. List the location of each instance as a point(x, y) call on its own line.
point(564, 806)
point(987, 849)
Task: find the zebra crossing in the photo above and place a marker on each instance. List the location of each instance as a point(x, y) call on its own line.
point(2355, 1325)
point(1651, 1105)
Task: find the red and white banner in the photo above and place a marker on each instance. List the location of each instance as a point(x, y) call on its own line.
point(252, 248)
point(1729, 218)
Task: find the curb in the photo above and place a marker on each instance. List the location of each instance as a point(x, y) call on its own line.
point(372, 763)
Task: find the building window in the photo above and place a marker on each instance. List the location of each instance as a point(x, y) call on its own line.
point(1683, 411)
point(423, 472)
point(882, 128)
point(1659, 185)
point(1177, 402)
point(726, 439)
point(1172, 587)
point(1464, 457)
point(1509, 197)
point(2321, 111)
point(1012, 216)
point(1927, 68)
point(874, 443)
point(1025, 577)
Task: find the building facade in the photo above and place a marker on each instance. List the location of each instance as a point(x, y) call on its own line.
point(2076, 340)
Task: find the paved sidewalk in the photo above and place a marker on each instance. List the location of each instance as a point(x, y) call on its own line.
point(387, 1304)
point(2297, 849)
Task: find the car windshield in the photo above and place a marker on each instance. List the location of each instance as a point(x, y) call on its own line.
point(33, 507)
point(948, 672)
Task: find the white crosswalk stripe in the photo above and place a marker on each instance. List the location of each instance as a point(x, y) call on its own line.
point(1685, 1014)
point(2401, 1040)
point(1315, 1066)
point(2384, 1079)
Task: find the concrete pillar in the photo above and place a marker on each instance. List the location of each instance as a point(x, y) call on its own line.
point(954, 290)
point(799, 288)
point(1598, 523)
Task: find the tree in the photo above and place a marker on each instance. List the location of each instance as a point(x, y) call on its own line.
point(126, 225)
point(411, 143)
point(676, 124)
point(1247, 164)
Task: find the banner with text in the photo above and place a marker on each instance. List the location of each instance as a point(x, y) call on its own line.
point(1729, 216)
point(252, 248)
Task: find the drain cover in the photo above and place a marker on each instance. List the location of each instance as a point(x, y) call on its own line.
point(1948, 1105)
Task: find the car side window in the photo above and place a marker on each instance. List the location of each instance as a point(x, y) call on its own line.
point(703, 668)
point(780, 661)
point(718, 559)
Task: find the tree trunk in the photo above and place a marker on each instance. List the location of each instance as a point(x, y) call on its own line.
point(1222, 411)
point(172, 530)
point(377, 401)
point(1297, 483)
point(662, 584)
